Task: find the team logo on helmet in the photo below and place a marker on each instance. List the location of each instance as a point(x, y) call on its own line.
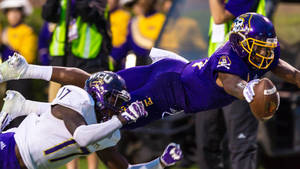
point(254, 39)
point(239, 26)
point(108, 90)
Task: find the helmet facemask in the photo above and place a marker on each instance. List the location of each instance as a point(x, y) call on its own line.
point(109, 100)
point(253, 38)
point(261, 53)
point(109, 93)
point(115, 100)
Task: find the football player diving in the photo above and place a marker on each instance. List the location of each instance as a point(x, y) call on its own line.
point(171, 86)
point(78, 122)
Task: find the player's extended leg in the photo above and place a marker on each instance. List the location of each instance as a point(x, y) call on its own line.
point(162, 96)
point(138, 76)
point(242, 130)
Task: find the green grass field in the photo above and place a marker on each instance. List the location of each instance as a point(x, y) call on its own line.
point(83, 165)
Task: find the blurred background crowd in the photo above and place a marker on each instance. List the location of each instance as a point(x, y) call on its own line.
point(97, 35)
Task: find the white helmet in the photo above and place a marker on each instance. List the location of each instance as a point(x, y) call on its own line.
point(6, 4)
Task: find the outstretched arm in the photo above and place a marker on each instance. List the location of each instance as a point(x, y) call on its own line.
point(82, 133)
point(236, 86)
point(114, 160)
point(287, 72)
point(86, 135)
point(16, 67)
point(16, 105)
point(69, 75)
point(232, 84)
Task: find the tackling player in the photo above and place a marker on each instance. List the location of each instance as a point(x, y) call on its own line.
point(78, 122)
point(171, 86)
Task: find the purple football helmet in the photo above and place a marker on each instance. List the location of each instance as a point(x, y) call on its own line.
point(108, 91)
point(253, 38)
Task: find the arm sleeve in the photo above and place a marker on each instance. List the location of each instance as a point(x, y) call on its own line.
point(154, 164)
point(88, 134)
point(36, 107)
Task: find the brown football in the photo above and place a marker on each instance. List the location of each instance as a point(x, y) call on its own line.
point(266, 100)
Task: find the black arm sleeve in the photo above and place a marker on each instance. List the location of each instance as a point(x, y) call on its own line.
point(51, 11)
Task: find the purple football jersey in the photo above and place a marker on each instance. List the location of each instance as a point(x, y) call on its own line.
point(172, 86)
point(199, 78)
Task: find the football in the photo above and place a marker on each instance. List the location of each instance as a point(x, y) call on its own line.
point(266, 100)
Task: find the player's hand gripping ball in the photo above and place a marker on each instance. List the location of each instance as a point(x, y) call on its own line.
point(265, 101)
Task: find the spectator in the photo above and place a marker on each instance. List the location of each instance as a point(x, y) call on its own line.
point(86, 44)
point(5, 51)
point(44, 42)
point(143, 30)
point(19, 37)
point(119, 19)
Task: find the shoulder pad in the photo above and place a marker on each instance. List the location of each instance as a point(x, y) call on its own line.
point(78, 100)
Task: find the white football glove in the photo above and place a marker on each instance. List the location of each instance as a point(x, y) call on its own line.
point(248, 91)
point(12, 108)
point(13, 104)
point(5, 119)
point(13, 68)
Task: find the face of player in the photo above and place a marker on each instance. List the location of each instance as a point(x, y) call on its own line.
point(14, 16)
point(103, 115)
point(261, 56)
point(113, 107)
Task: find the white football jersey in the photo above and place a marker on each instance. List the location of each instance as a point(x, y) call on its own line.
point(45, 142)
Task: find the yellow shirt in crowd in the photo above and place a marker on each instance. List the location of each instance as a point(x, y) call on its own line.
point(23, 40)
point(119, 20)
